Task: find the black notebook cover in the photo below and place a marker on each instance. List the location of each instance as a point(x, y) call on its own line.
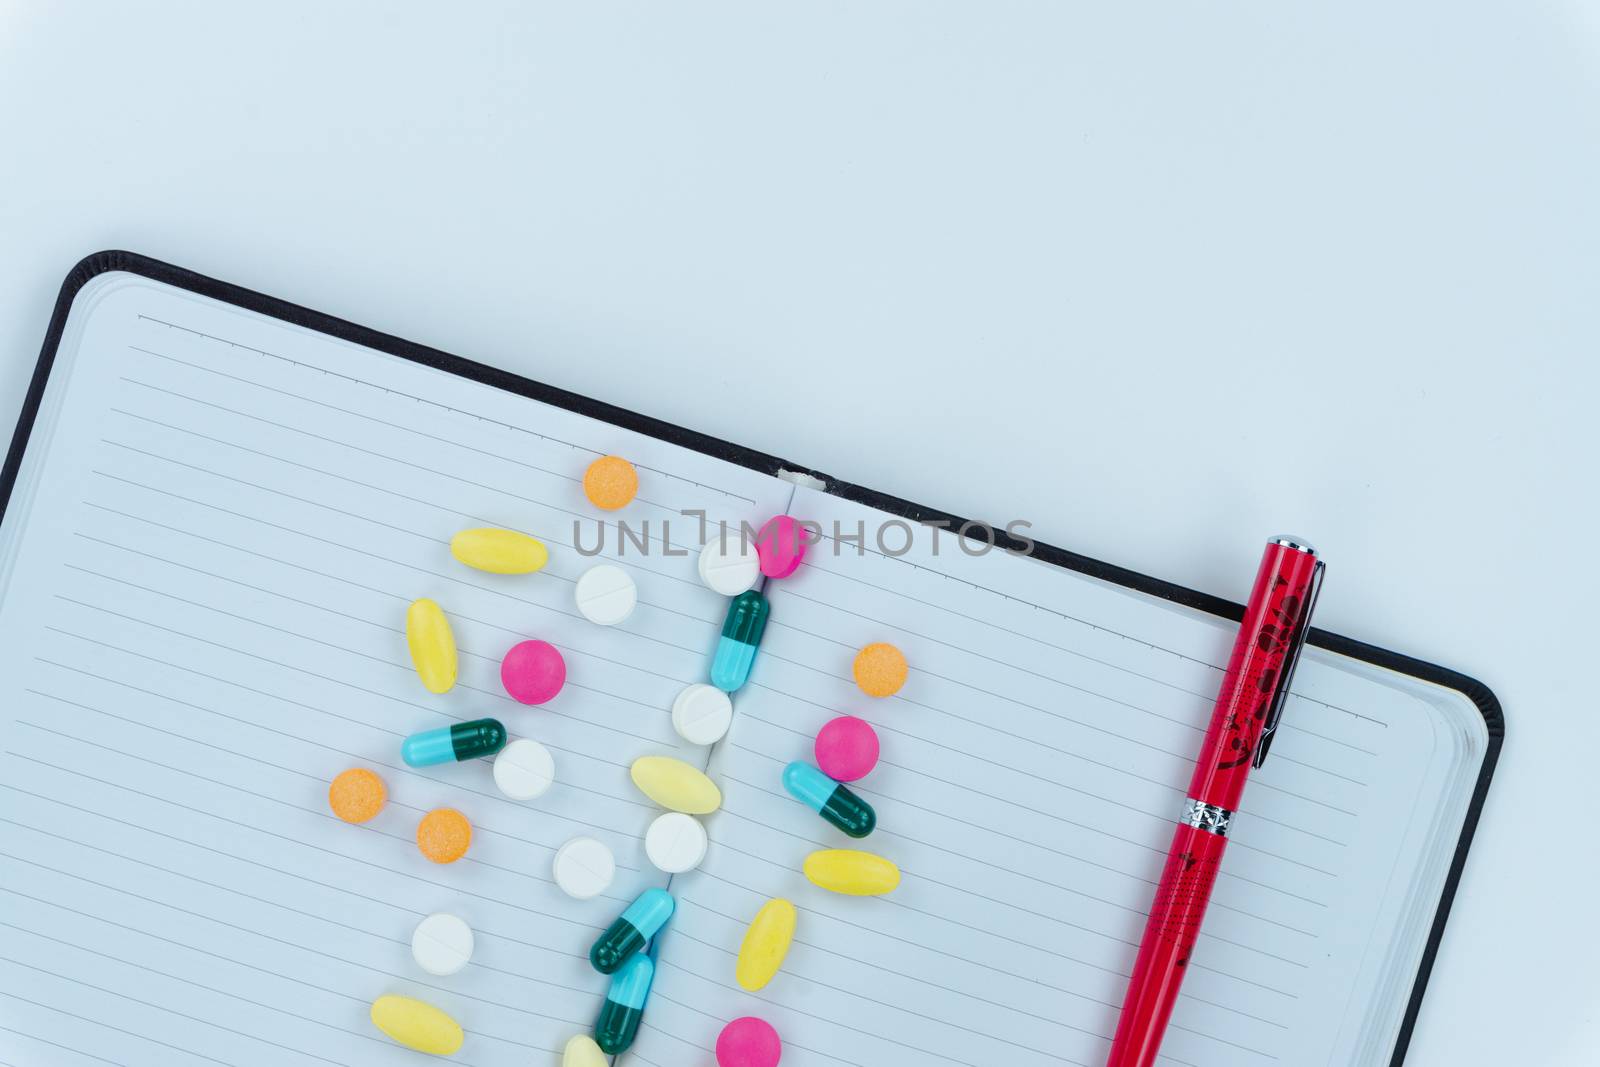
point(132, 263)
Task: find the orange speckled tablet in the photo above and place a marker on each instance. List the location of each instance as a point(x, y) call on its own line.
point(880, 669)
point(610, 483)
point(357, 795)
point(443, 835)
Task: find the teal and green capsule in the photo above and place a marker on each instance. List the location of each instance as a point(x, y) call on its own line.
point(633, 929)
point(830, 799)
point(741, 636)
point(463, 741)
point(619, 1018)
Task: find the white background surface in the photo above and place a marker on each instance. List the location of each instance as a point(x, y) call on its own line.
point(1161, 279)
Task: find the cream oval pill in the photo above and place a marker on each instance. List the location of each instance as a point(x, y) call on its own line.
point(524, 769)
point(675, 842)
point(606, 594)
point(702, 714)
point(499, 551)
point(417, 1025)
point(676, 785)
point(858, 874)
point(442, 944)
point(584, 868)
point(432, 645)
point(729, 565)
point(581, 1051)
point(766, 943)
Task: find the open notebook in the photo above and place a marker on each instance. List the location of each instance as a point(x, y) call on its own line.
point(221, 506)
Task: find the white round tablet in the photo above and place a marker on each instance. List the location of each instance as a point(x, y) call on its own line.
point(606, 594)
point(442, 944)
point(701, 714)
point(729, 564)
point(524, 769)
point(584, 868)
point(675, 842)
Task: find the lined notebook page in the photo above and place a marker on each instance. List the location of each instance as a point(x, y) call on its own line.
point(225, 518)
point(1032, 769)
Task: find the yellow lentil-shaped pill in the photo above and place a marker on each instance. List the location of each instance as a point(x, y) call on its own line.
point(674, 784)
point(417, 1025)
point(499, 551)
point(581, 1051)
point(844, 870)
point(433, 646)
point(765, 944)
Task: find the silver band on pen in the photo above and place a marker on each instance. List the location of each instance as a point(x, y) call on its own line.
point(1207, 817)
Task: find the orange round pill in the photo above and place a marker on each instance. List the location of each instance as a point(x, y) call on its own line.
point(357, 795)
point(610, 483)
point(881, 669)
point(443, 835)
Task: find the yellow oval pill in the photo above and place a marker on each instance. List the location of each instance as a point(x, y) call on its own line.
point(581, 1051)
point(417, 1025)
point(499, 551)
point(433, 646)
point(765, 944)
point(844, 870)
point(674, 784)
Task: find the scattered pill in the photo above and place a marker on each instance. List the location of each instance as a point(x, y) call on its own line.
point(701, 714)
point(499, 551)
point(442, 944)
point(417, 1025)
point(880, 670)
point(729, 565)
point(632, 930)
point(584, 868)
point(748, 1042)
point(581, 1051)
point(741, 636)
point(610, 483)
point(624, 1007)
point(675, 842)
point(357, 795)
point(676, 785)
point(443, 835)
point(524, 769)
point(606, 594)
point(832, 800)
point(433, 647)
point(847, 748)
point(458, 741)
point(781, 545)
point(858, 874)
point(766, 943)
point(533, 672)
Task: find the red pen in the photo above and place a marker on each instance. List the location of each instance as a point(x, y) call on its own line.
point(1254, 687)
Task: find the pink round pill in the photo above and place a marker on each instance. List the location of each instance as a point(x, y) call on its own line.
point(780, 545)
point(533, 672)
point(748, 1042)
point(847, 748)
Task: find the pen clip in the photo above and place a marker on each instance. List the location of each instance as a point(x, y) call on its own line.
point(1297, 644)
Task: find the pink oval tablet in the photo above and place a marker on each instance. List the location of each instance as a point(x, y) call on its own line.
point(748, 1042)
point(780, 545)
point(533, 672)
point(847, 748)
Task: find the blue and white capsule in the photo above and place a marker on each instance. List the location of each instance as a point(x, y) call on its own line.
point(619, 1018)
point(830, 799)
point(634, 928)
point(741, 636)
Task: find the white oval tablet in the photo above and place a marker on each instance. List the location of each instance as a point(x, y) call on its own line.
point(729, 565)
point(675, 842)
point(701, 714)
point(524, 769)
point(584, 868)
point(442, 944)
point(606, 594)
